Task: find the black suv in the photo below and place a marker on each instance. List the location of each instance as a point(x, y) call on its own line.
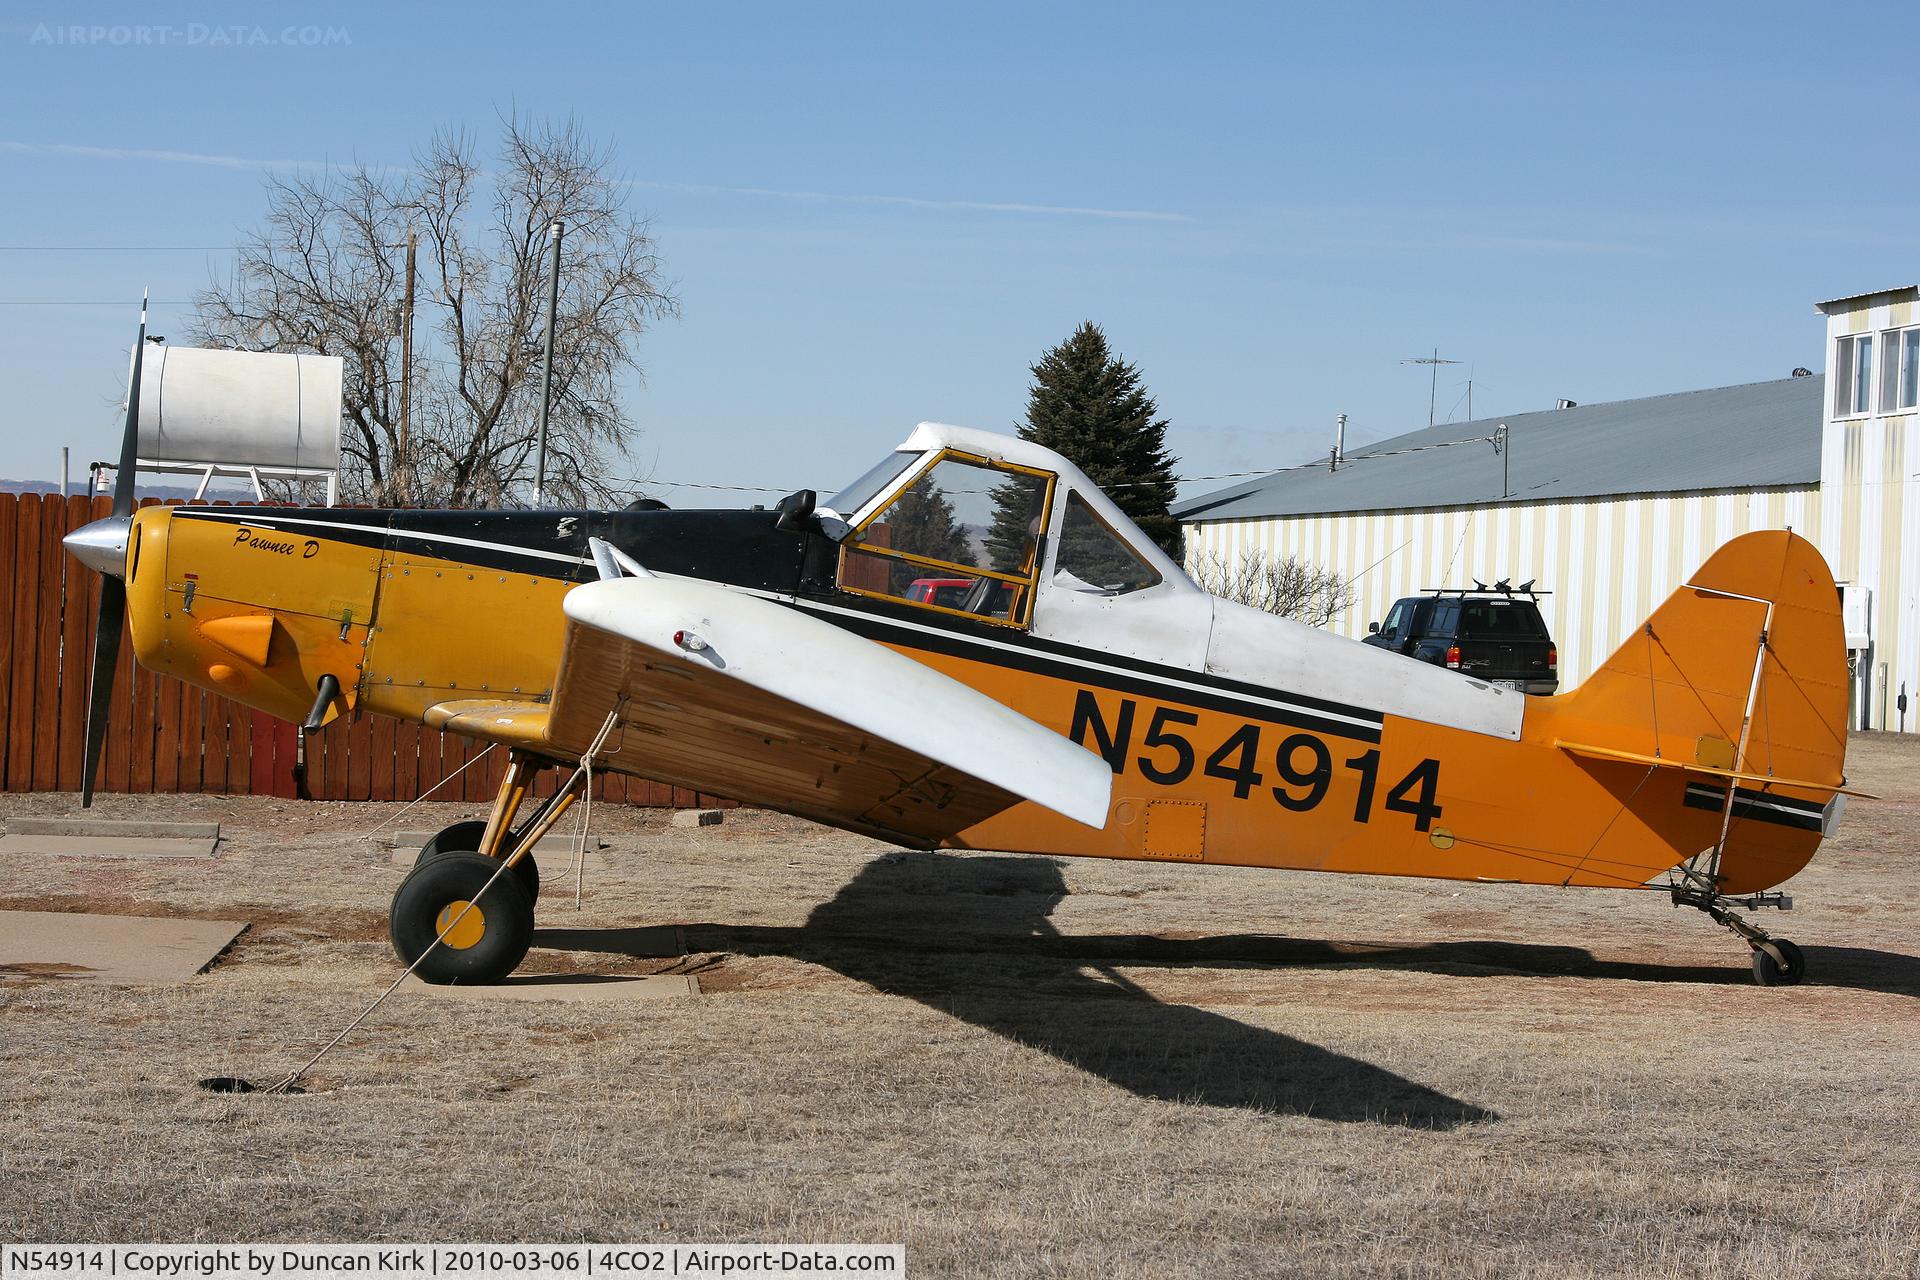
point(1493, 635)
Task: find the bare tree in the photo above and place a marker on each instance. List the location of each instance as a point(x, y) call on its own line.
point(326, 274)
point(1285, 585)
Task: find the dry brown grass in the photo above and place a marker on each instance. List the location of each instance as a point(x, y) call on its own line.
point(1017, 1066)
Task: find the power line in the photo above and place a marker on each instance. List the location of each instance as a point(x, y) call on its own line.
point(1224, 475)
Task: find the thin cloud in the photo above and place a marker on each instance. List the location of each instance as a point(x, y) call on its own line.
point(1497, 244)
point(918, 202)
point(691, 188)
point(159, 157)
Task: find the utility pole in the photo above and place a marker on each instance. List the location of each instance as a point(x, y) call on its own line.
point(403, 464)
point(1433, 383)
point(557, 230)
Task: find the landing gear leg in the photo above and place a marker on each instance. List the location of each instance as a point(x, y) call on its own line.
point(1776, 961)
point(471, 836)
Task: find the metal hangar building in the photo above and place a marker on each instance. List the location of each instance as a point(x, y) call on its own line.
point(1609, 507)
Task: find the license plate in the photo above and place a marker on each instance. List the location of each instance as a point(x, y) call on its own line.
point(1505, 684)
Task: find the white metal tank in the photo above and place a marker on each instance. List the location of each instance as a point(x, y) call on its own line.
point(240, 409)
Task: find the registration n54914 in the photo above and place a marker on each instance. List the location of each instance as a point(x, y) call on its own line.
point(1303, 765)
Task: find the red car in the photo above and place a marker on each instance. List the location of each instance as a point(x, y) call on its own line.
point(948, 593)
point(962, 594)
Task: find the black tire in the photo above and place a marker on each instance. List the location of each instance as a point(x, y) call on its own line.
point(1769, 973)
point(504, 917)
point(465, 837)
point(460, 836)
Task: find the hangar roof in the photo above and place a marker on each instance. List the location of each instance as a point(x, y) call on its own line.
point(1756, 435)
point(1856, 297)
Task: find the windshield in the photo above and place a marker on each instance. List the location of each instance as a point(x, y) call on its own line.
point(858, 494)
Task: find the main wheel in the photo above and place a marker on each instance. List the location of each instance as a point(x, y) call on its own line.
point(465, 837)
point(482, 946)
point(461, 835)
point(1768, 972)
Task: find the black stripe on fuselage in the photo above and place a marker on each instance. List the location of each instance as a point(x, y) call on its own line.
point(552, 545)
point(513, 542)
point(1096, 668)
point(1758, 806)
point(735, 548)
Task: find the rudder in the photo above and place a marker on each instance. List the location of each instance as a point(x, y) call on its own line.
point(1679, 686)
point(1742, 670)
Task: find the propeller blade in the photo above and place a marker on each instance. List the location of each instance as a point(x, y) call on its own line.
point(113, 590)
point(106, 657)
point(123, 479)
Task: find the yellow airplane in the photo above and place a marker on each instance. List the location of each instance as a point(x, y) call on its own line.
point(971, 647)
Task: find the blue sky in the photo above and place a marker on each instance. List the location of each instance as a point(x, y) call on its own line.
point(877, 214)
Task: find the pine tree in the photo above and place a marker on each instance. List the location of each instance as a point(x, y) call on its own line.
point(1087, 404)
point(922, 521)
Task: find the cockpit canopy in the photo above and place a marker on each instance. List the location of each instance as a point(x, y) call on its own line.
point(964, 522)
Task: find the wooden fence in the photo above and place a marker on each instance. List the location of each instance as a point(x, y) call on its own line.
point(165, 736)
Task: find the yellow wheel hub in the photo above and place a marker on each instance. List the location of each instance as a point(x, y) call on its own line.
point(468, 931)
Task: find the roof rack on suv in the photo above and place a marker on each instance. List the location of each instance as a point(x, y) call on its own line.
point(1500, 588)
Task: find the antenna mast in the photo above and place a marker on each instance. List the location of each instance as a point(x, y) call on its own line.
point(1433, 383)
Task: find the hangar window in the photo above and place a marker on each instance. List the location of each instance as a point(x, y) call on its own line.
point(1853, 375)
point(1899, 370)
point(963, 538)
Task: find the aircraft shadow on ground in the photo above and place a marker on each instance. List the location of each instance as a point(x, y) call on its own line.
point(972, 938)
point(1854, 968)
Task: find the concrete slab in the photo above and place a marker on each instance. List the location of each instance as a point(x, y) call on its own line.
point(113, 949)
point(552, 840)
point(106, 827)
point(569, 987)
point(553, 857)
point(698, 817)
point(105, 847)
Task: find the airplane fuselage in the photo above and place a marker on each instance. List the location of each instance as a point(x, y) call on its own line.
point(412, 610)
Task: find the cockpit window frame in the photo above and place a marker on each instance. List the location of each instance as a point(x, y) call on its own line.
point(1020, 615)
point(909, 472)
point(1119, 539)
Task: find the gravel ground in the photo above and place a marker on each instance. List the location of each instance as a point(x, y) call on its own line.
point(1016, 1065)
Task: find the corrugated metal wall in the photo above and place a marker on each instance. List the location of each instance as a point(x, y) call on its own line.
point(1607, 561)
point(1870, 528)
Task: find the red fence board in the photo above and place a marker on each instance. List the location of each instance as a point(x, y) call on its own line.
point(80, 601)
point(9, 601)
point(27, 600)
point(53, 556)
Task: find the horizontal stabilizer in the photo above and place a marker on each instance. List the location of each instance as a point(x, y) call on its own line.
point(1662, 762)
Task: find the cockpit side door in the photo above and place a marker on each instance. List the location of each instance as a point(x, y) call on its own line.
point(965, 537)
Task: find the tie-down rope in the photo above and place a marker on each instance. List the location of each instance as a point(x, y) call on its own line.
point(585, 767)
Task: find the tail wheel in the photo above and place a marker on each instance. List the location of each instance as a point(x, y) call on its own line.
point(487, 934)
point(465, 837)
point(1769, 972)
